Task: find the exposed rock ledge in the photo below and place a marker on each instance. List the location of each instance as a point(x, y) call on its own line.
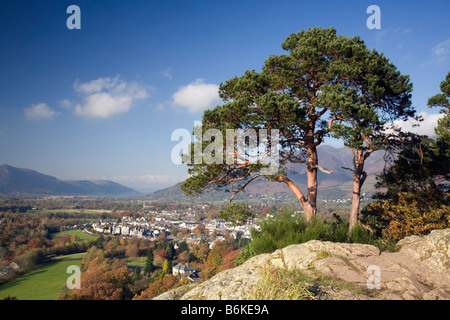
point(419, 270)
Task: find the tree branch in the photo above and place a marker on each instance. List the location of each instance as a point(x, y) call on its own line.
point(323, 170)
point(333, 120)
point(244, 186)
point(293, 187)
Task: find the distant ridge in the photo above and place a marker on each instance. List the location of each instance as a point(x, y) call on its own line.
point(331, 186)
point(21, 181)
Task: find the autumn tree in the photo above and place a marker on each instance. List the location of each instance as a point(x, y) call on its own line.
point(104, 279)
point(132, 249)
point(221, 257)
point(159, 286)
point(200, 230)
point(159, 257)
point(184, 257)
point(183, 233)
point(165, 266)
point(91, 254)
point(110, 248)
point(200, 251)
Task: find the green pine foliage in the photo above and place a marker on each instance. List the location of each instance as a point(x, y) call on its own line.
point(237, 214)
point(149, 267)
point(416, 198)
point(324, 81)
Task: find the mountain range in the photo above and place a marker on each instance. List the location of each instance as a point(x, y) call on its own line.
point(20, 181)
point(331, 186)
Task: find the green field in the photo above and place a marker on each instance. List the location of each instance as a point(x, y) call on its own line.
point(80, 234)
point(70, 211)
point(137, 262)
point(43, 283)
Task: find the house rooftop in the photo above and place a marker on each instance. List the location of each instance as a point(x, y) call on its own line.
point(183, 267)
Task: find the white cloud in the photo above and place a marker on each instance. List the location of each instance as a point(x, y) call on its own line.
point(149, 182)
point(407, 30)
point(426, 127)
point(387, 36)
point(66, 104)
point(150, 179)
point(197, 96)
point(167, 73)
point(441, 52)
point(160, 107)
point(106, 97)
point(39, 111)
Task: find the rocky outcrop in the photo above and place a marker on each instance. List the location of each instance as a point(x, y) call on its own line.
point(419, 270)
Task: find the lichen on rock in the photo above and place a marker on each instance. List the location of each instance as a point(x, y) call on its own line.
point(419, 270)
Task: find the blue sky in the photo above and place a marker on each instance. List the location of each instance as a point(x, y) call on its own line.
point(101, 102)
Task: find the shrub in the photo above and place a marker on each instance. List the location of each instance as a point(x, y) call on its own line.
point(409, 213)
point(286, 229)
point(30, 259)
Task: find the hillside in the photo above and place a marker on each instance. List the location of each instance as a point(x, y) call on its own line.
point(20, 181)
point(321, 270)
point(336, 185)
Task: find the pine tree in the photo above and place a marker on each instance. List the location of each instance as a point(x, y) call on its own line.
point(170, 251)
point(149, 267)
point(137, 273)
point(322, 81)
point(416, 196)
point(442, 130)
point(423, 163)
point(364, 109)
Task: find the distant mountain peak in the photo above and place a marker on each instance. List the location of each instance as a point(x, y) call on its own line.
point(26, 181)
point(335, 185)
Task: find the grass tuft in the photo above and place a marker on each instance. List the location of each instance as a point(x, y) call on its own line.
point(280, 284)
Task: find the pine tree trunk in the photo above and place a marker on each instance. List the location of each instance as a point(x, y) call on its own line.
point(311, 174)
point(308, 211)
point(308, 203)
point(359, 176)
point(356, 200)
